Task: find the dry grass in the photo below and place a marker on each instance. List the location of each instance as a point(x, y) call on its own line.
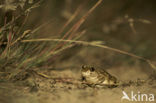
point(22, 54)
point(17, 57)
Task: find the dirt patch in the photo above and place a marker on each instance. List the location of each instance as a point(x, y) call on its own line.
point(67, 88)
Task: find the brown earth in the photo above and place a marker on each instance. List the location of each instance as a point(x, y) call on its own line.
point(67, 88)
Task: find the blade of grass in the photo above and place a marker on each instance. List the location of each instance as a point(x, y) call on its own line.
point(71, 19)
point(96, 44)
point(76, 26)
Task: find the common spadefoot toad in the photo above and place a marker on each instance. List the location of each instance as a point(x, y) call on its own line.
point(96, 76)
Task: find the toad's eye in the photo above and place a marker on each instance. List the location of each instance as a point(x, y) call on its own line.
point(92, 69)
point(83, 67)
point(83, 78)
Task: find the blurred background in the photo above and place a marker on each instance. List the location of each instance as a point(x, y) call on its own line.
point(127, 25)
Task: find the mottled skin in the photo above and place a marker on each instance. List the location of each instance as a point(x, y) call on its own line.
point(95, 76)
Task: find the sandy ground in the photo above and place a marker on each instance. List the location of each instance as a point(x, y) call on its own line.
point(68, 89)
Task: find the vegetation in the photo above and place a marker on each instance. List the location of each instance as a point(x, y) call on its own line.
point(21, 51)
point(44, 43)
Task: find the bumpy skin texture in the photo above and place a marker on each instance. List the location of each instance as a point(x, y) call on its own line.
point(95, 76)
